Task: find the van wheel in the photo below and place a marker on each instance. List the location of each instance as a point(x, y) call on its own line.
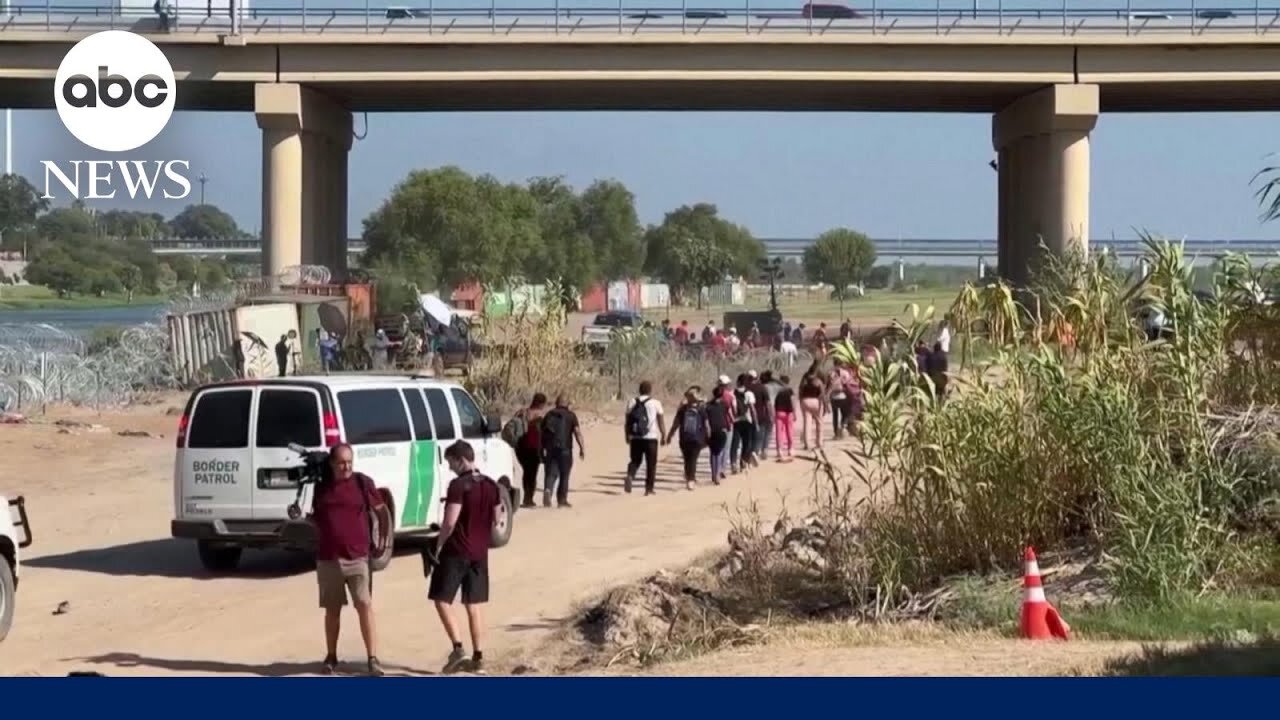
point(382, 561)
point(7, 593)
point(502, 521)
point(218, 558)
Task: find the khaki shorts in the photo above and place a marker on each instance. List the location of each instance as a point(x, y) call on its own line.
point(337, 578)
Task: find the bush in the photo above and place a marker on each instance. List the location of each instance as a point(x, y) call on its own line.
point(1078, 432)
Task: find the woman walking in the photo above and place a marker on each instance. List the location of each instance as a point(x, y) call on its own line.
point(691, 424)
point(529, 447)
point(784, 420)
point(812, 406)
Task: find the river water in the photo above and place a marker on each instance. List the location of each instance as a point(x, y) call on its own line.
point(84, 320)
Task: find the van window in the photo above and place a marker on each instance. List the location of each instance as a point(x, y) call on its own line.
point(373, 416)
point(220, 420)
point(288, 416)
point(439, 405)
point(418, 414)
point(469, 415)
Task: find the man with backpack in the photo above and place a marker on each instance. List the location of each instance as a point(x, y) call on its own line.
point(644, 427)
point(741, 450)
point(559, 430)
point(691, 423)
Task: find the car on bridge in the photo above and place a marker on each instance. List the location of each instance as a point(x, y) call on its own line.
point(828, 11)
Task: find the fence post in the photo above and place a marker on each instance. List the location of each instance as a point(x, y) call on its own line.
point(44, 382)
point(619, 376)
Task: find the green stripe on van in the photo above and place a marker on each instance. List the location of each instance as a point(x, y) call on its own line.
point(422, 479)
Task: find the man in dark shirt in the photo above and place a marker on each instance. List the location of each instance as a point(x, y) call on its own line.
point(342, 511)
point(559, 431)
point(462, 551)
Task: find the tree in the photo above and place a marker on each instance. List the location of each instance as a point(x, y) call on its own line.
point(608, 218)
point(204, 221)
point(840, 258)
point(473, 229)
point(69, 223)
point(131, 279)
point(666, 252)
point(20, 203)
point(565, 253)
point(54, 268)
point(703, 261)
point(132, 224)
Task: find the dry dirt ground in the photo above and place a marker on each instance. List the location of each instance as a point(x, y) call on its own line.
point(138, 603)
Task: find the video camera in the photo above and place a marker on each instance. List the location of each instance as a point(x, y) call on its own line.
point(313, 471)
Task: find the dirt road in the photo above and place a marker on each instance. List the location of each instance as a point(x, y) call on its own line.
point(139, 603)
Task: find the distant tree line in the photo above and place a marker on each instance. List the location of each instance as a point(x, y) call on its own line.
point(443, 227)
point(74, 250)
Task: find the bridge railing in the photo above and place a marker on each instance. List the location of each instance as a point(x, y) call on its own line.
point(620, 17)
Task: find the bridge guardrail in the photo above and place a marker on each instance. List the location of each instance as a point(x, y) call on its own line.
point(953, 17)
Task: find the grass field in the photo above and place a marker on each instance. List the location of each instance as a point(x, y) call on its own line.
point(38, 297)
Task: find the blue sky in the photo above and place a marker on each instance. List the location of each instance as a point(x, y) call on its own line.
point(780, 174)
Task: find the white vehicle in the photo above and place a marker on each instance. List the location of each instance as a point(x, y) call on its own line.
point(12, 519)
point(231, 483)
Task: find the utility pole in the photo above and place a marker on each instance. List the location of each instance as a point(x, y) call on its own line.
point(203, 180)
point(771, 270)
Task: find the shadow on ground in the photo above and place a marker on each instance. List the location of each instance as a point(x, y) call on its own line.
point(1217, 658)
point(216, 667)
point(177, 559)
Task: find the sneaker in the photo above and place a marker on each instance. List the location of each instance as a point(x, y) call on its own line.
point(529, 504)
point(626, 484)
point(476, 665)
point(546, 498)
point(375, 667)
point(688, 484)
point(330, 665)
point(456, 660)
point(564, 504)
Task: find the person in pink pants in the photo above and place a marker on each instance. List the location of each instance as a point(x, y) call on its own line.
point(784, 420)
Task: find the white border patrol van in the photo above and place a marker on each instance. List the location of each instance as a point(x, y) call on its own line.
point(231, 487)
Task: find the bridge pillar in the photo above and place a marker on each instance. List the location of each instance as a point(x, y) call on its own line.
point(1042, 146)
point(305, 141)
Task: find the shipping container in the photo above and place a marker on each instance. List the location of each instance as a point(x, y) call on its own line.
point(594, 300)
point(654, 295)
point(360, 307)
point(202, 345)
point(468, 297)
point(619, 295)
point(259, 329)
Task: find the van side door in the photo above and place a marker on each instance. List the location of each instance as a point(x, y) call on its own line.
point(471, 426)
point(214, 464)
point(284, 415)
point(446, 431)
point(375, 423)
point(420, 508)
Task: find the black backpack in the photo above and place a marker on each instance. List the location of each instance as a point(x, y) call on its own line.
point(692, 425)
point(555, 430)
point(717, 415)
point(740, 396)
point(638, 419)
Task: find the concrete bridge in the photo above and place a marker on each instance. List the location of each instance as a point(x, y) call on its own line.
point(1044, 75)
point(886, 250)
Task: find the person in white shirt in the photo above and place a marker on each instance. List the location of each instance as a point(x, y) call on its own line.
point(944, 335)
point(742, 448)
point(644, 428)
point(788, 350)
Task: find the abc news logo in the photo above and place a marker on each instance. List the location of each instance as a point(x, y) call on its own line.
point(115, 92)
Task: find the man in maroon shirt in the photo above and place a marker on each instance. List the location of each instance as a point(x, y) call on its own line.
point(343, 511)
point(462, 551)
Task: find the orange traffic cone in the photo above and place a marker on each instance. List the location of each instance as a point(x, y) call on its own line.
point(1040, 620)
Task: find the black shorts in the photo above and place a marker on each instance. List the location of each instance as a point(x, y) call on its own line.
point(455, 572)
